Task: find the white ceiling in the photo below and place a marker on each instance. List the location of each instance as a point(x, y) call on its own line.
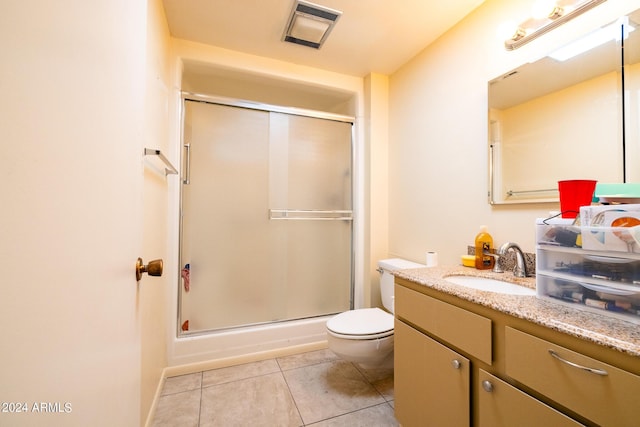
point(371, 35)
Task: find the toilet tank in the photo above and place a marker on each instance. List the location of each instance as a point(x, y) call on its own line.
point(386, 268)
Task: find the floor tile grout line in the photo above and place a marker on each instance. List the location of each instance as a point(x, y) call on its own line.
point(200, 406)
point(311, 364)
point(164, 385)
point(350, 412)
point(284, 377)
point(240, 379)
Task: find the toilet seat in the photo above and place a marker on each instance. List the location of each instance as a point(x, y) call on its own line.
point(361, 324)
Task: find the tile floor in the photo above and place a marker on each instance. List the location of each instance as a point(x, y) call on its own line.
point(310, 389)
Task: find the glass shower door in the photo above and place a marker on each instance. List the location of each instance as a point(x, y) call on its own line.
point(266, 230)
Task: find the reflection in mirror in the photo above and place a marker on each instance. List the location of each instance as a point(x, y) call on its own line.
point(554, 120)
point(632, 99)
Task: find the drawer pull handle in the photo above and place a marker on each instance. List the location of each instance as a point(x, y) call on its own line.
point(456, 364)
point(575, 365)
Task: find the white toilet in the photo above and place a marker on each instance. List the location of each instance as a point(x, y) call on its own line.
point(365, 336)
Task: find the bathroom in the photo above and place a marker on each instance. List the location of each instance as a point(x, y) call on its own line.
point(85, 205)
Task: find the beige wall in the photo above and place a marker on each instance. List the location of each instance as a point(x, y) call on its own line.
point(83, 93)
point(438, 134)
point(377, 182)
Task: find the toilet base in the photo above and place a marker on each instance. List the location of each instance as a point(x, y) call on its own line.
point(386, 363)
point(369, 354)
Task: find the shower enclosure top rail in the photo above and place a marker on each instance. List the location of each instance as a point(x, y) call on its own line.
point(251, 105)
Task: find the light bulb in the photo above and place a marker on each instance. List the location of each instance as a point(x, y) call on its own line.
point(507, 30)
point(543, 9)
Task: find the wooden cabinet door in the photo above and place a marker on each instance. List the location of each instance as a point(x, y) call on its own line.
point(432, 382)
point(502, 405)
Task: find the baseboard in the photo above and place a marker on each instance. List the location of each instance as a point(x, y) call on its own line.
point(190, 368)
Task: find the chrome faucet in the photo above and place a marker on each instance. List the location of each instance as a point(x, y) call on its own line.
point(520, 269)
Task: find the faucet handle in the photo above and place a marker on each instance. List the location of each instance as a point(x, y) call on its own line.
point(497, 268)
point(496, 262)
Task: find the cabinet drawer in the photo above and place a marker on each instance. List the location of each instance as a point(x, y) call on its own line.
point(604, 394)
point(467, 331)
point(503, 405)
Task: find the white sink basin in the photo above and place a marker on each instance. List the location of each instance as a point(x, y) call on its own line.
point(490, 285)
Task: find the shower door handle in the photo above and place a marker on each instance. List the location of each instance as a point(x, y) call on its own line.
point(187, 164)
point(318, 215)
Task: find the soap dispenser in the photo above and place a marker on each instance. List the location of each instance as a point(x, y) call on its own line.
point(484, 245)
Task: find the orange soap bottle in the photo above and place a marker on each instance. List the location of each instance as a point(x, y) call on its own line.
point(484, 245)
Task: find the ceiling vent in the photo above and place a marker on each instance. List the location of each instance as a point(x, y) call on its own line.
point(310, 24)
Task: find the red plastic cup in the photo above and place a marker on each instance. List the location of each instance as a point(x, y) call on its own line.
point(573, 194)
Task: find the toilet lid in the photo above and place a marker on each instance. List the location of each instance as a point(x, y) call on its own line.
point(364, 321)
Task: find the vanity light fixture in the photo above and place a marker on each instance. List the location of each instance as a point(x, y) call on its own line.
point(310, 24)
point(617, 31)
point(547, 15)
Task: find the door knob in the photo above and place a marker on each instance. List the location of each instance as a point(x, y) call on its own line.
point(154, 268)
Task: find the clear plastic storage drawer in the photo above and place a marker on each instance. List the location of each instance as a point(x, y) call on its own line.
point(591, 280)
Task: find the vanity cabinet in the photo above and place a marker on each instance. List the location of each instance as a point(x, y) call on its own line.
point(432, 381)
point(460, 363)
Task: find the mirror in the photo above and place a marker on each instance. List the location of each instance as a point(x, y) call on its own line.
point(554, 119)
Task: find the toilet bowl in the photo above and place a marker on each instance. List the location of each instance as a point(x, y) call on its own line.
point(365, 336)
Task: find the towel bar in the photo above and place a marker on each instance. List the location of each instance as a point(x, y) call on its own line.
point(169, 169)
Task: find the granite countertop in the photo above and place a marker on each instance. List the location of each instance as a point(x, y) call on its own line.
point(607, 331)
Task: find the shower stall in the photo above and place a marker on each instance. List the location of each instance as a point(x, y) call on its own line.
point(266, 220)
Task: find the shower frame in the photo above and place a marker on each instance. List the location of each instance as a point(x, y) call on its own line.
point(233, 102)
